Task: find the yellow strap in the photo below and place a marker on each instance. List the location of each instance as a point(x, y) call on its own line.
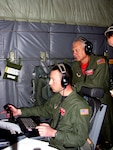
point(111, 61)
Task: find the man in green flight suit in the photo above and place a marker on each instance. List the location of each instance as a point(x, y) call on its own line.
point(91, 71)
point(109, 37)
point(69, 112)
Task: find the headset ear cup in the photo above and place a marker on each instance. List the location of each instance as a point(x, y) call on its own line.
point(88, 47)
point(64, 81)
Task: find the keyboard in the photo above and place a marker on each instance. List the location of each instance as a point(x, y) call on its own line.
point(28, 124)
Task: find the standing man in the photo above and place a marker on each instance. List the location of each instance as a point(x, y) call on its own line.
point(109, 37)
point(92, 71)
point(69, 112)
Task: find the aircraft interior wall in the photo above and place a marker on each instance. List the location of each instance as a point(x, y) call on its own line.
point(38, 44)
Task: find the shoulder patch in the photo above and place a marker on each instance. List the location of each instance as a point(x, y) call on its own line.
point(84, 111)
point(100, 61)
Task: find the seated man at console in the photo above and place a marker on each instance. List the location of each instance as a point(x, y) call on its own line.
point(69, 112)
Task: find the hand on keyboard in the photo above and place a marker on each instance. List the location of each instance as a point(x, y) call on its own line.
point(28, 125)
point(12, 127)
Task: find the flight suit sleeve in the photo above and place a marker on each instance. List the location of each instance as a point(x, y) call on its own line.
point(41, 111)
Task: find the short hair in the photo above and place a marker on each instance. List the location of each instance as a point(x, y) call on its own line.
point(81, 39)
point(68, 71)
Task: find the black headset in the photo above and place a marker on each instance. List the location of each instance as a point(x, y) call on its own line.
point(88, 46)
point(65, 78)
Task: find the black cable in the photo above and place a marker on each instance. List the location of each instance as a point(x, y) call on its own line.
point(59, 116)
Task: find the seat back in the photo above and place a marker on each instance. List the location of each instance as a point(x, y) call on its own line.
point(41, 89)
point(98, 111)
point(95, 105)
point(97, 124)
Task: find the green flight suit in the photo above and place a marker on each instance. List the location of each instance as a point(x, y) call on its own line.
point(97, 75)
point(72, 129)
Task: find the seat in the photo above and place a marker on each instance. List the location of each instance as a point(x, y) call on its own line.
point(97, 124)
point(98, 111)
point(41, 88)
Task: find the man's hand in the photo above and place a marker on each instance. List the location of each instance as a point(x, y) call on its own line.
point(15, 111)
point(45, 130)
point(111, 91)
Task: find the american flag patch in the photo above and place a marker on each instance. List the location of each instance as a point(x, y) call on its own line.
point(84, 111)
point(100, 61)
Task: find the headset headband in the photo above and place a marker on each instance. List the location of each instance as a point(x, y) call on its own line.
point(62, 68)
point(110, 29)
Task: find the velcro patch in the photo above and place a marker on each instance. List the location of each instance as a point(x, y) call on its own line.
point(89, 72)
point(84, 111)
point(62, 111)
point(100, 61)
